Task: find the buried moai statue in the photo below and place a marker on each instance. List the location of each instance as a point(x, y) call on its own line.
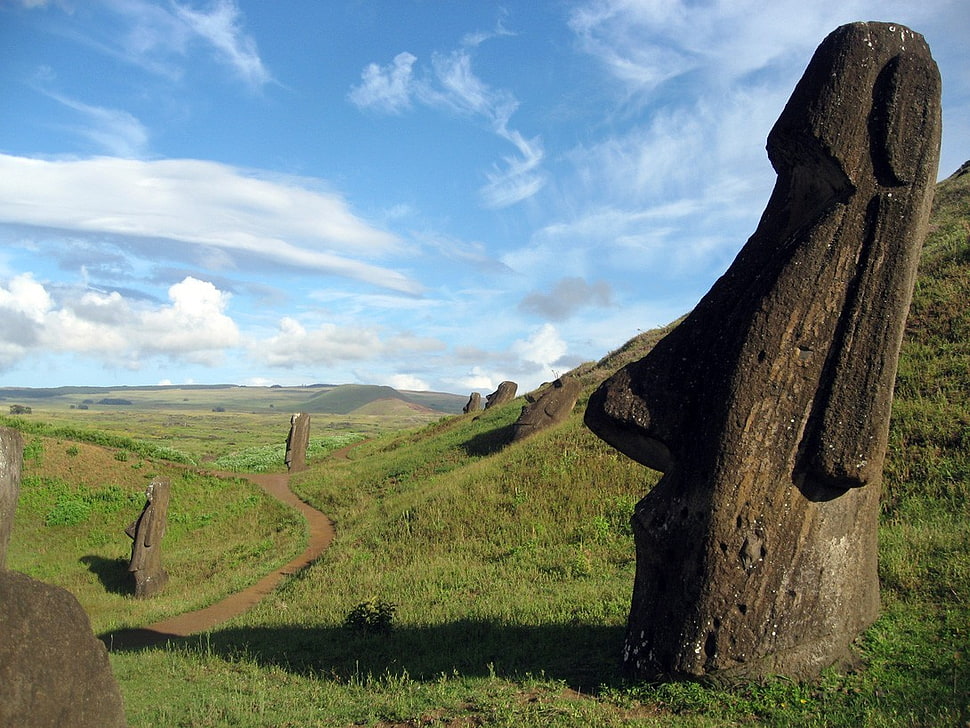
point(146, 534)
point(474, 403)
point(297, 442)
point(53, 671)
point(768, 407)
point(551, 407)
point(505, 393)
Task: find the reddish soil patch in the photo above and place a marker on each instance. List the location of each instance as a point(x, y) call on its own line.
point(321, 534)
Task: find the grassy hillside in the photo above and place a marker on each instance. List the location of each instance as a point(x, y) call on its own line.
point(478, 582)
point(502, 574)
point(77, 499)
point(348, 398)
point(317, 398)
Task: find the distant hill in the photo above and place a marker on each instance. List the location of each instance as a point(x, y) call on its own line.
point(347, 398)
point(316, 398)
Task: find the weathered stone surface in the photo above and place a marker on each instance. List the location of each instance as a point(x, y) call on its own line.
point(146, 534)
point(552, 406)
point(474, 403)
point(768, 407)
point(504, 393)
point(297, 442)
point(11, 460)
point(53, 671)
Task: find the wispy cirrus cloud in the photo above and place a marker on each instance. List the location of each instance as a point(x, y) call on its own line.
point(164, 38)
point(113, 131)
point(221, 27)
point(451, 84)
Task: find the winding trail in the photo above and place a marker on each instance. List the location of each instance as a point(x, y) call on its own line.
point(202, 620)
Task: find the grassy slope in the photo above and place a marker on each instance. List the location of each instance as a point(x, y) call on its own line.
point(510, 568)
point(77, 499)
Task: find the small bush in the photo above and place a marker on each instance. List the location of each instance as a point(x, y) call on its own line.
point(371, 617)
point(68, 511)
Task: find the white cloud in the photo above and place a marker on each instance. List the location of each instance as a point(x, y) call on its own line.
point(328, 344)
point(408, 382)
point(386, 88)
point(221, 28)
point(193, 327)
point(161, 37)
point(113, 130)
point(543, 349)
point(207, 205)
point(454, 86)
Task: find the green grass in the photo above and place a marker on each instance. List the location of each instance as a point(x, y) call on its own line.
point(510, 569)
point(77, 499)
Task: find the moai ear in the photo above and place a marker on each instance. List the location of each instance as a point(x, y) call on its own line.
point(895, 121)
point(846, 437)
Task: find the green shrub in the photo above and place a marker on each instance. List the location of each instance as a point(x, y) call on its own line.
point(371, 617)
point(69, 510)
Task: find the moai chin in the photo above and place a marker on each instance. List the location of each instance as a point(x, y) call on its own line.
point(768, 407)
point(146, 534)
point(297, 442)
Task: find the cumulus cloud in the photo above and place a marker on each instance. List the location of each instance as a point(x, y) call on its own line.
point(567, 296)
point(451, 84)
point(213, 208)
point(296, 346)
point(408, 382)
point(387, 88)
point(192, 327)
point(544, 348)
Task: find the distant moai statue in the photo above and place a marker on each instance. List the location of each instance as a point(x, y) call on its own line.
point(474, 403)
point(552, 406)
point(504, 393)
point(53, 670)
point(146, 534)
point(297, 442)
point(768, 407)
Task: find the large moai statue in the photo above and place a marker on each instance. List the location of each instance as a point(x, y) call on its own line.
point(768, 407)
point(146, 534)
point(551, 407)
point(297, 442)
point(53, 671)
point(505, 393)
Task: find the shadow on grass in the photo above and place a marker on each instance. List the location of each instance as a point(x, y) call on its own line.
point(585, 657)
point(489, 443)
point(112, 573)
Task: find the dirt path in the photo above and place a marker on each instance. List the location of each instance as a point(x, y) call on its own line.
point(182, 625)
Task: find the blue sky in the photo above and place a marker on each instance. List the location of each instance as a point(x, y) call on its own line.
point(430, 194)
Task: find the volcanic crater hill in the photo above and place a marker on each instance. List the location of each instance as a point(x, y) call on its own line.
point(378, 400)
